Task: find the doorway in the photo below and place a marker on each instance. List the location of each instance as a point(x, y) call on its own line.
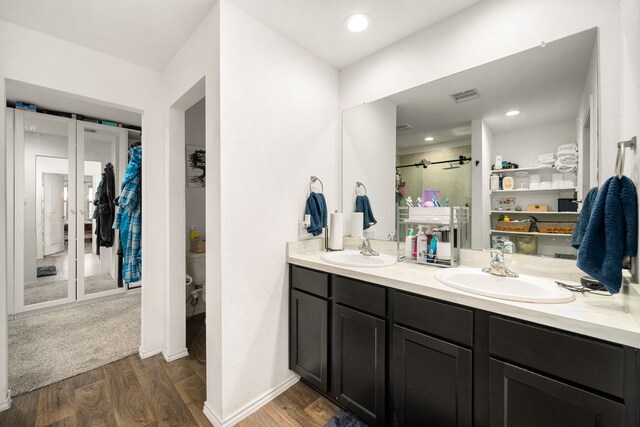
point(62, 255)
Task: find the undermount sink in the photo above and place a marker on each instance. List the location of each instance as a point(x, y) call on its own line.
point(352, 258)
point(523, 288)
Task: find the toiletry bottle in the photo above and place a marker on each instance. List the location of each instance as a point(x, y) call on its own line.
point(500, 179)
point(423, 248)
point(495, 183)
point(414, 245)
point(433, 247)
point(408, 245)
point(498, 164)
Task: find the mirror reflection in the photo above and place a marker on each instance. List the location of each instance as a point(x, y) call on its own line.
point(515, 141)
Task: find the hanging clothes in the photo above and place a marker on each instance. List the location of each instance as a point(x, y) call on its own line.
point(129, 218)
point(105, 211)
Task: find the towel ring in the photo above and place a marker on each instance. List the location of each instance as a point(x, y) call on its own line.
point(359, 184)
point(622, 146)
point(316, 179)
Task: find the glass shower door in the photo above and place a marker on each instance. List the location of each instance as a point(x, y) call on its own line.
point(102, 158)
point(45, 219)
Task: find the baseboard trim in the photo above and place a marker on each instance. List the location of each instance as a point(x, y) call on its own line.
point(176, 356)
point(251, 407)
point(211, 416)
point(148, 353)
point(6, 403)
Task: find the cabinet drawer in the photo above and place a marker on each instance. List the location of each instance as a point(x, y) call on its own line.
point(436, 318)
point(353, 293)
point(591, 363)
point(313, 282)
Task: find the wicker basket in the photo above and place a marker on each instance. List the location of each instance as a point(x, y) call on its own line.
point(198, 247)
point(556, 227)
point(515, 226)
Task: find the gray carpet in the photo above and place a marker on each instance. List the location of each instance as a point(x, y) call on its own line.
point(48, 347)
point(58, 289)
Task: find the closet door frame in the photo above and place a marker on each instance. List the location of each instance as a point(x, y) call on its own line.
point(19, 224)
point(120, 142)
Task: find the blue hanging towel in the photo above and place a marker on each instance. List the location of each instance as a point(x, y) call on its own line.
point(583, 219)
point(129, 218)
point(363, 205)
point(611, 234)
point(317, 208)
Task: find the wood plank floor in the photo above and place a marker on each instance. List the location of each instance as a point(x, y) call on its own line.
point(153, 392)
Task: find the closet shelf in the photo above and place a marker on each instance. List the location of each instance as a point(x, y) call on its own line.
point(532, 169)
point(528, 190)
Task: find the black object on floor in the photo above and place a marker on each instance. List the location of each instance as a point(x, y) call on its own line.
point(49, 270)
point(345, 418)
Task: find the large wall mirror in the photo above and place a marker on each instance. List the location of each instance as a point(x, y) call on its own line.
point(462, 137)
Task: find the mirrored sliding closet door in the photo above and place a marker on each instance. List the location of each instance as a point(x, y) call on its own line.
point(65, 249)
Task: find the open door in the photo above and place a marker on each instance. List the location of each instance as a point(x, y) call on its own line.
point(53, 213)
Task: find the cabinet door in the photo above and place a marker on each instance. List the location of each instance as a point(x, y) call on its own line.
point(431, 381)
point(359, 363)
point(524, 399)
point(308, 346)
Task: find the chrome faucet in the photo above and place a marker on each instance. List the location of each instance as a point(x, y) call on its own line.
point(497, 266)
point(391, 237)
point(365, 247)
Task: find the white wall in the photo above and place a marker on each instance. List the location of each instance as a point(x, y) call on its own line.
point(368, 156)
point(522, 146)
point(491, 30)
point(279, 109)
point(630, 26)
point(35, 58)
point(196, 64)
point(481, 149)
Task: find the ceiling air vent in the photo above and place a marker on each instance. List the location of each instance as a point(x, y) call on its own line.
point(466, 95)
point(403, 126)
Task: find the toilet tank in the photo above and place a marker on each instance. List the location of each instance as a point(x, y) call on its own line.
point(196, 267)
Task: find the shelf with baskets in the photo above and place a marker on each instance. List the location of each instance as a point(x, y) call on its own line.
point(530, 233)
point(535, 213)
point(449, 226)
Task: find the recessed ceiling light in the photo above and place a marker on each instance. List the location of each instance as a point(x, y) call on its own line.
point(357, 23)
point(429, 139)
point(512, 113)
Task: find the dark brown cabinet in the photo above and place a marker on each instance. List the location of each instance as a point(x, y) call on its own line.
point(431, 381)
point(401, 359)
point(308, 342)
point(359, 363)
point(525, 399)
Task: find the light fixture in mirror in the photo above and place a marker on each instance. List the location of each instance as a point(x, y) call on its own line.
point(412, 141)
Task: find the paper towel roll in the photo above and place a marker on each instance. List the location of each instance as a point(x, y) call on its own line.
point(357, 221)
point(335, 231)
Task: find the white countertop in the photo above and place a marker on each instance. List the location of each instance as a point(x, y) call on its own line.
point(611, 318)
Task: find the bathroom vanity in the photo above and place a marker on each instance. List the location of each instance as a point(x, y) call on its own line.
point(398, 348)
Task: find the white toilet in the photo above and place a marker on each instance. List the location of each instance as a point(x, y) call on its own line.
point(196, 268)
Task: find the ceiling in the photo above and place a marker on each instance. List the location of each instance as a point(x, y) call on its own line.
point(150, 32)
point(54, 100)
point(145, 32)
point(544, 83)
point(318, 26)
